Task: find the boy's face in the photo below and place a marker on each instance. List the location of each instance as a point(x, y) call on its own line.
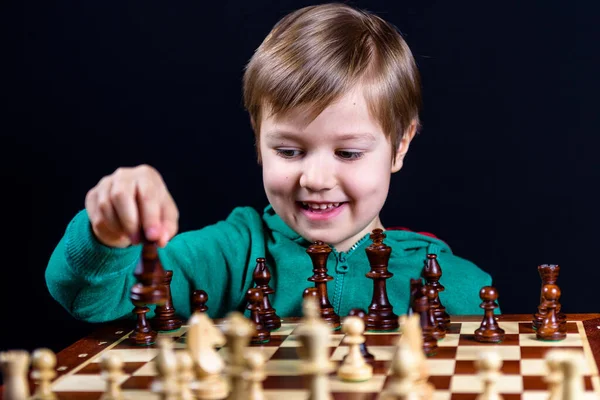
point(329, 179)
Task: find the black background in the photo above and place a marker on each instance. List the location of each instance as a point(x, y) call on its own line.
point(505, 168)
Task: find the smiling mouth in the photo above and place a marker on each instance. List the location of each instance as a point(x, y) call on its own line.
point(319, 207)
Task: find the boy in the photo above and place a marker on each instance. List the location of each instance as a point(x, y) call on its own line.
point(333, 95)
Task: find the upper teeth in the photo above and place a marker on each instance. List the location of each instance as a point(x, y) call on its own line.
point(320, 206)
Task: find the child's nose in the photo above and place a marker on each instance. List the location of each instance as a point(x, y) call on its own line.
point(317, 175)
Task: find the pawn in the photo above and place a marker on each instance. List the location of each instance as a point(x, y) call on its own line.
point(261, 277)
point(354, 368)
point(255, 375)
point(166, 367)
point(199, 299)
point(112, 372)
point(551, 328)
point(43, 362)
point(185, 375)
point(312, 292)
point(488, 365)
point(143, 334)
point(489, 331)
point(360, 313)
point(254, 296)
point(554, 379)
point(404, 375)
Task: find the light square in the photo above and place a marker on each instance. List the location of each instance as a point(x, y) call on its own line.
point(292, 394)
point(283, 367)
point(293, 341)
point(381, 353)
point(529, 340)
point(451, 340)
point(375, 384)
point(131, 355)
point(472, 352)
point(285, 329)
point(441, 367)
point(82, 383)
point(473, 384)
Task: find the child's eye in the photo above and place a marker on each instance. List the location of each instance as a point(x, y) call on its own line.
point(287, 153)
point(349, 155)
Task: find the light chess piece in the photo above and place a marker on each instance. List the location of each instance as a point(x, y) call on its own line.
point(43, 362)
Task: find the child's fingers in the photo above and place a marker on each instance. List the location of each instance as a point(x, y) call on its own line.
point(122, 197)
point(106, 214)
point(148, 199)
point(170, 220)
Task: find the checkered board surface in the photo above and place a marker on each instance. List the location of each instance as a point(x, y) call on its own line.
point(452, 370)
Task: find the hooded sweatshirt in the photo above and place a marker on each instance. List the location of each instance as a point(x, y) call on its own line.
point(93, 281)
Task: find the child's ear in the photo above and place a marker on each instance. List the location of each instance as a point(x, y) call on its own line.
point(403, 147)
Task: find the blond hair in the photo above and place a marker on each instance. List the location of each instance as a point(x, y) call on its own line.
point(316, 54)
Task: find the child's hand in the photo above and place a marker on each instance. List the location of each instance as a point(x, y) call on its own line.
point(128, 200)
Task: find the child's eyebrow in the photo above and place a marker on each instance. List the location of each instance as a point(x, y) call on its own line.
point(344, 137)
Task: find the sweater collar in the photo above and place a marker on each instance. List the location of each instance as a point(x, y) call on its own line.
point(276, 224)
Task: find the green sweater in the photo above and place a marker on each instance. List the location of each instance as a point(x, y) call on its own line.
point(92, 281)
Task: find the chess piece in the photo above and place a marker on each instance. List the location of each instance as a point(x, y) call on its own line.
point(43, 362)
point(185, 374)
point(437, 329)
point(255, 296)
point(166, 383)
point(238, 330)
point(255, 375)
point(549, 275)
point(404, 373)
point(380, 315)
point(360, 313)
point(202, 338)
point(415, 289)
point(313, 334)
point(489, 331)
point(421, 308)
point(412, 335)
point(432, 272)
point(572, 367)
point(354, 368)
point(199, 299)
point(165, 319)
point(551, 329)
point(112, 372)
point(554, 379)
point(262, 276)
point(149, 274)
point(488, 364)
point(14, 365)
point(143, 334)
point(318, 252)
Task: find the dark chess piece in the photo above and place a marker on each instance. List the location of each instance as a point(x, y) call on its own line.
point(318, 253)
point(360, 313)
point(149, 274)
point(142, 335)
point(421, 307)
point(432, 272)
point(415, 288)
point(380, 316)
point(199, 299)
point(261, 277)
point(549, 276)
point(165, 318)
point(489, 331)
point(254, 296)
point(551, 328)
point(438, 331)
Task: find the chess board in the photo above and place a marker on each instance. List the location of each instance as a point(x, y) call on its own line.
point(452, 370)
